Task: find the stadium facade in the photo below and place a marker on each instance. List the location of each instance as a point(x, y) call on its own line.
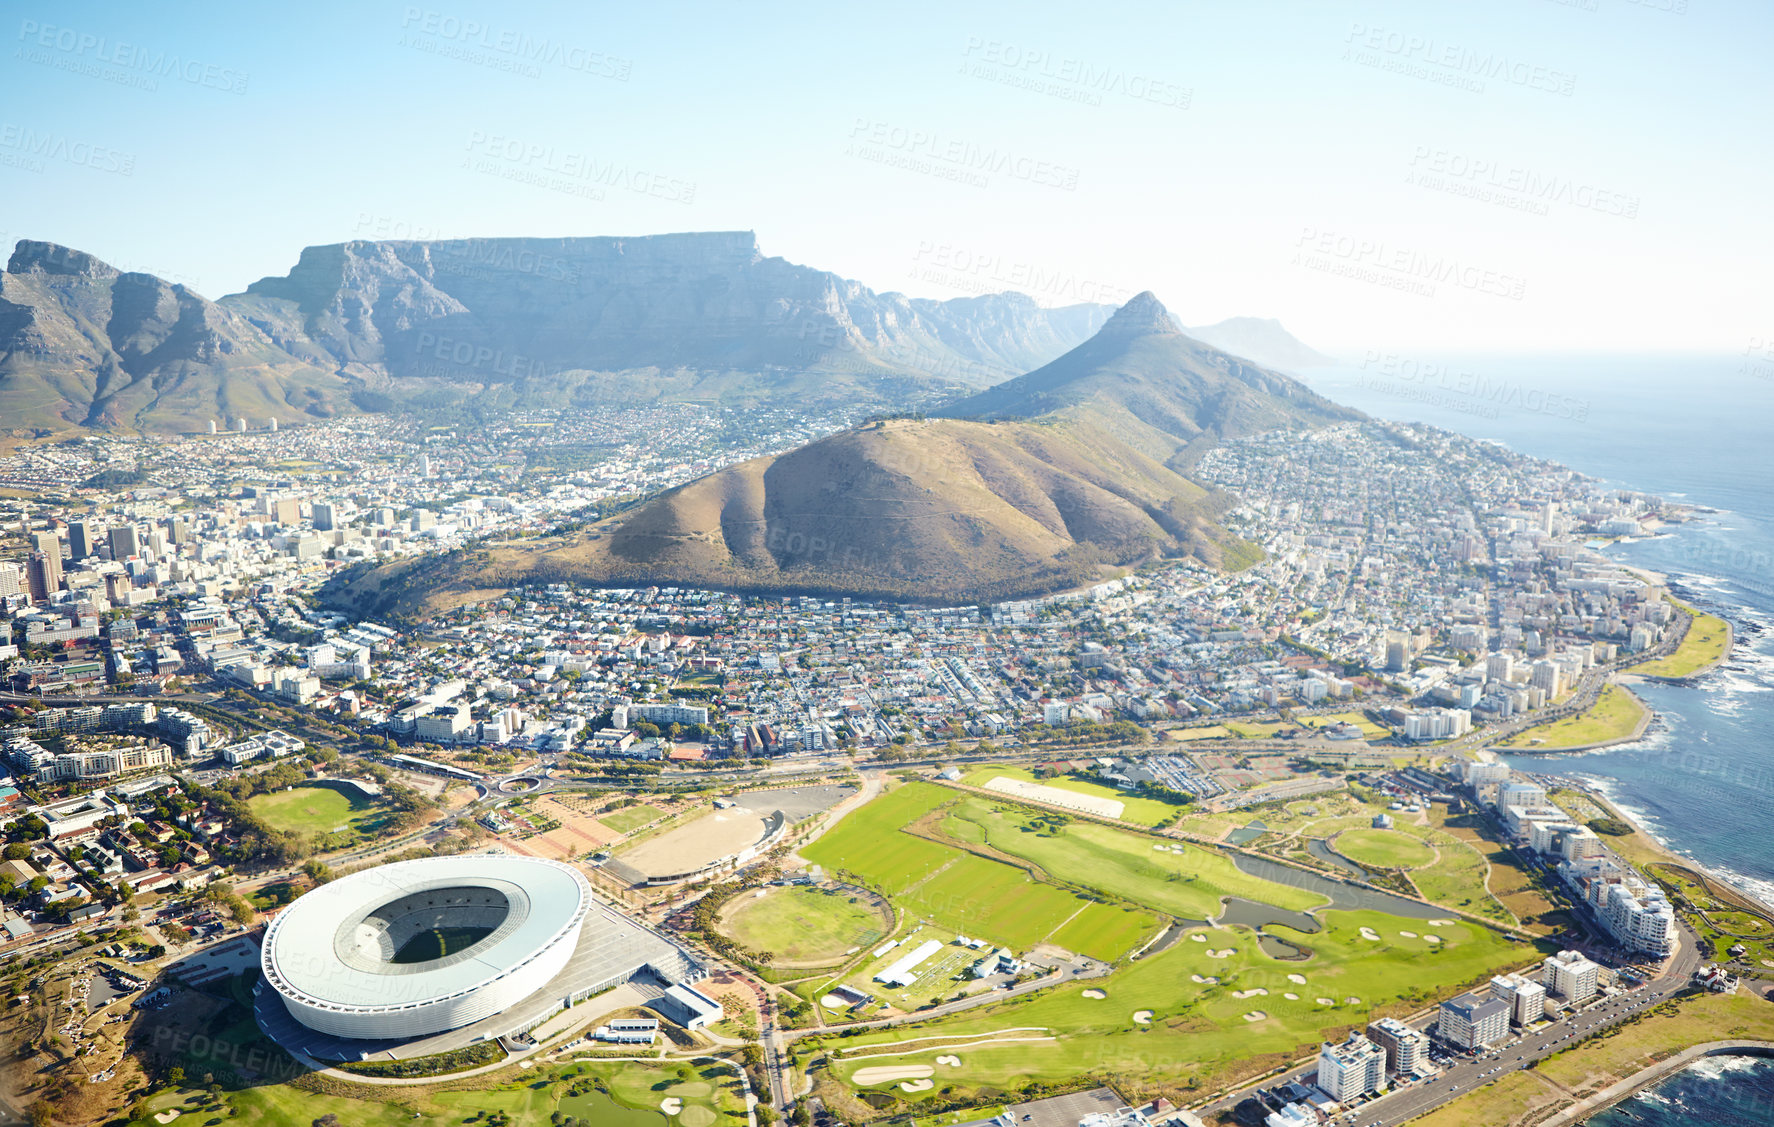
point(483, 944)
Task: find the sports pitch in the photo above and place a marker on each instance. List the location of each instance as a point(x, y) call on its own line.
point(315, 808)
point(1384, 849)
point(805, 924)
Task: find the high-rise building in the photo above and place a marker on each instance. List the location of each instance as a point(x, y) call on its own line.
point(272, 423)
point(83, 540)
point(43, 576)
point(47, 542)
point(240, 426)
point(325, 517)
point(1473, 1022)
point(1500, 667)
point(1352, 1069)
point(1404, 1045)
point(1569, 976)
point(1525, 998)
point(124, 543)
point(286, 510)
point(12, 579)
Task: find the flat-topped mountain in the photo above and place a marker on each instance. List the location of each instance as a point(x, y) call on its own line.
point(1162, 392)
point(494, 323)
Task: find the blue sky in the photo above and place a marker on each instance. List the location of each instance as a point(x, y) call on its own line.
point(1520, 174)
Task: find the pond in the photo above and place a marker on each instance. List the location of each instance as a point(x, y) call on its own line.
point(1348, 897)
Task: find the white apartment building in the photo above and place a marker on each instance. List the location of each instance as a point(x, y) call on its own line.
point(1404, 1045)
point(1570, 976)
point(1525, 998)
point(669, 713)
point(1637, 914)
point(1352, 1069)
point(1473, 1022)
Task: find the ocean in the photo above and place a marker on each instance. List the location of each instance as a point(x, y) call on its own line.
point(1728, 1091)
point(1694, 429)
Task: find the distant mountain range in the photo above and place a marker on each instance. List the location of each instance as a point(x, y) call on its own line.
point(484, 324)
point(1051, 480)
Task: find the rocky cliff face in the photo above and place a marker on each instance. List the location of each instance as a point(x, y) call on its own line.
point(82, 344)
point(494, 310)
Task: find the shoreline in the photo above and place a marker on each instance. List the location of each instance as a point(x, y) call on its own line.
point(1628, 1086)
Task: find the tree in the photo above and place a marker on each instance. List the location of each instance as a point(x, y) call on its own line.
point(41, 1115)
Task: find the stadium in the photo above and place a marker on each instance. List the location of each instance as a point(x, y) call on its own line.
point(425, 955)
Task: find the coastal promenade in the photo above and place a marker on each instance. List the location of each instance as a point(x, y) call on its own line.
point(1644, 1077)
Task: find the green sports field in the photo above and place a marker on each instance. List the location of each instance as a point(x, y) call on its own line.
point(315, 808)
point(629, 818)
point(1384, 849)
point(803, 924)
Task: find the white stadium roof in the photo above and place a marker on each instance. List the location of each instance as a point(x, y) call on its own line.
point(330, 953)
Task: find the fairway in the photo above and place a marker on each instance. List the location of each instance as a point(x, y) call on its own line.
point(315, 808)
point(1182, 880)
point(1187, 1038)
point(1615, 715)
point(802, 924)
point(1384, 849)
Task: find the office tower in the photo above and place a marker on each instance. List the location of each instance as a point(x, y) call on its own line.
point(43, 575)
point(83, 540)
point(123, 542)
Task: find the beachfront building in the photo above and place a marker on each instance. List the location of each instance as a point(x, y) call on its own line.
point(1569, 977)
point(1404, 1045)
point(1352, 1069)
point(1472, 1021)
point(1525, 998)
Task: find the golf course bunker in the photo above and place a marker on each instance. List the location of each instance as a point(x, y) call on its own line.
point(1370, 934)
point(890, 1073)
point(1348, 897)
point(671, 1105)
point(1442, 923)
point(1142, 1017)
point(1327, 1001)
point(1255, 1015)
point(1432, 939)
point(917, 1085)
point(1253, 992)
point(1291, 997)
point(1297, 979)
point(1408, 934)
point(1206, 979)
point(1095, 994)
point(1199, 938)
point(950, 1060)
point(1222, 953)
